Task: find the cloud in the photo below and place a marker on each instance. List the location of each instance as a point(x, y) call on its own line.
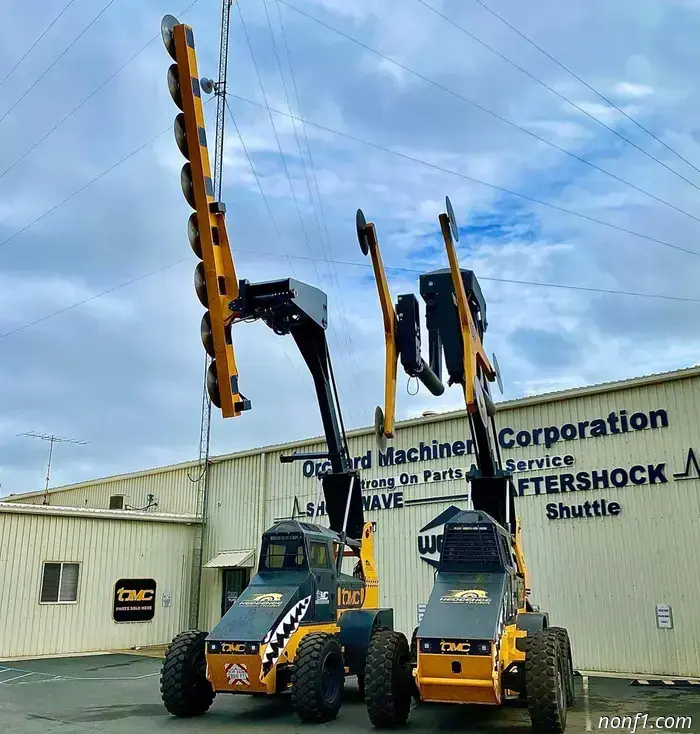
point(125, 371)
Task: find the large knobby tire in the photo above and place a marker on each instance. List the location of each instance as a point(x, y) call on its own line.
point(184, 687)
point(565, 643)
point(545, 674)
point(387, 684)
point(318, 678)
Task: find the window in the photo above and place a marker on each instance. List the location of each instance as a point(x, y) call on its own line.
point(319, 555)
point(59, 583)
point(116, 502)
point(285, 554)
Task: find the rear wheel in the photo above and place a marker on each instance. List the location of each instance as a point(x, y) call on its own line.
point(318, 678)
point(565, 643)
point(184, 687)
point(545, 682)
point(388, 691)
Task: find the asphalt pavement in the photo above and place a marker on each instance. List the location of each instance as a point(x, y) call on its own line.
point(120, 694)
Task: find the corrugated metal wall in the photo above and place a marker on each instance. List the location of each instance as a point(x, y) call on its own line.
point(107, 551)
point(601, 577)
point(175, 493)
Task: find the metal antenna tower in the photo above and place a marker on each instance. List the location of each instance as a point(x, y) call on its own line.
point(52, 439)
point(202, 479)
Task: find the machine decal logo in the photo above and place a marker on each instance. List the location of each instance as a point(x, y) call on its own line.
point(237, 674)
point(454, 647)
point(277, 641)
point(466, 596)
point(350, 598)
point(323, 597)
point(269, 599)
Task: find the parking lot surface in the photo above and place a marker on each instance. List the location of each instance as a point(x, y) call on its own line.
point(120, 693)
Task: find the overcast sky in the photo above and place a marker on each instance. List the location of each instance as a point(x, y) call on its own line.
point(124, 371)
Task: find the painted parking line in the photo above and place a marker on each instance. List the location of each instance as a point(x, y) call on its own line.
point(55, 676)
point(17, 677)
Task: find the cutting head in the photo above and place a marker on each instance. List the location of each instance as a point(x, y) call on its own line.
point(166, 33)
point(451, 217)
point(497, 369)
point(379, 428)
point(361, 226)
point(480, 400)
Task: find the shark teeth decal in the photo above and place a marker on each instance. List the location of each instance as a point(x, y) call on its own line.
point(278, 639)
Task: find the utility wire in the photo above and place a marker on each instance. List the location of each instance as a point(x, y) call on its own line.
point(33, 46)
point(284, 162)
point(495, 115)
point(92, 94)
point(258, 253)
point(93, 297)
point(57, 59)
point(384, 149)
point(260, 188)
point(463, 176)
point(89, 183)
point(592, 89)
point(566, 99)
point(332, 272)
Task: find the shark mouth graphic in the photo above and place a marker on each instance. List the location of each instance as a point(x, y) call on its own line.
point(277, 640)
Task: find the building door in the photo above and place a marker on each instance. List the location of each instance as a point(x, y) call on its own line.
point(234, 581)
point(324, 581)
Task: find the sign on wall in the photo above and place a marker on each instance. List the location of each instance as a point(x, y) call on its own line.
point(134, 600)
point(430, 536)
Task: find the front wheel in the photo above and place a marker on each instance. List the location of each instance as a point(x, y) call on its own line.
point(545, 682)
point(565, 643)
point(184, 687)
point(318, 678)
point(387, 685)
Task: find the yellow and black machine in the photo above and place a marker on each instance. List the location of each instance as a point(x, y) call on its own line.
point(480, 641)
point(302, 625)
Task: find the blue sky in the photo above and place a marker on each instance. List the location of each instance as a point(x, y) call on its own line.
point(124, 371)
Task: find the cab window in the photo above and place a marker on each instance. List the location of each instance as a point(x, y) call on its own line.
point(285, 555)
point(319, 555)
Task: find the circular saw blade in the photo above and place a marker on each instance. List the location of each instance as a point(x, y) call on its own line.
point(166, 33)
point(379, 428)
point(451, 217)
point(480, 401)
point(497, 369)
point(361, 226)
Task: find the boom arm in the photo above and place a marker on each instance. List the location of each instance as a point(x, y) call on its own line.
point(287, 306)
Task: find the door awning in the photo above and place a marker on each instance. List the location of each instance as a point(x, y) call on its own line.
point(232, 559)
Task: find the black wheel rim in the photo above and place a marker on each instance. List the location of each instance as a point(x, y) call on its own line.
point(330, 680)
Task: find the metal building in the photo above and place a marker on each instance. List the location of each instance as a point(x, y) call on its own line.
point(608, 481)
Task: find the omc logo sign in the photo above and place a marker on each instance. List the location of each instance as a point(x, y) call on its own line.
point(134, 600)
point(430, 536)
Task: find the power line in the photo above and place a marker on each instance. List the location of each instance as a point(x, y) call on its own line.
point(93, 297)
point(89, 183)
point(592, 89)
point(260, 188)
point(332, 328)
point(566, 99)
point(33, 46)
point(463, 176)
point(332, 272)
point(495, 115)
point(56, 60)
point(348, 263)
point(86, 99)
point(384, 149)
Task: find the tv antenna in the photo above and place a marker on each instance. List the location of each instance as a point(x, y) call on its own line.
point(52, 439)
